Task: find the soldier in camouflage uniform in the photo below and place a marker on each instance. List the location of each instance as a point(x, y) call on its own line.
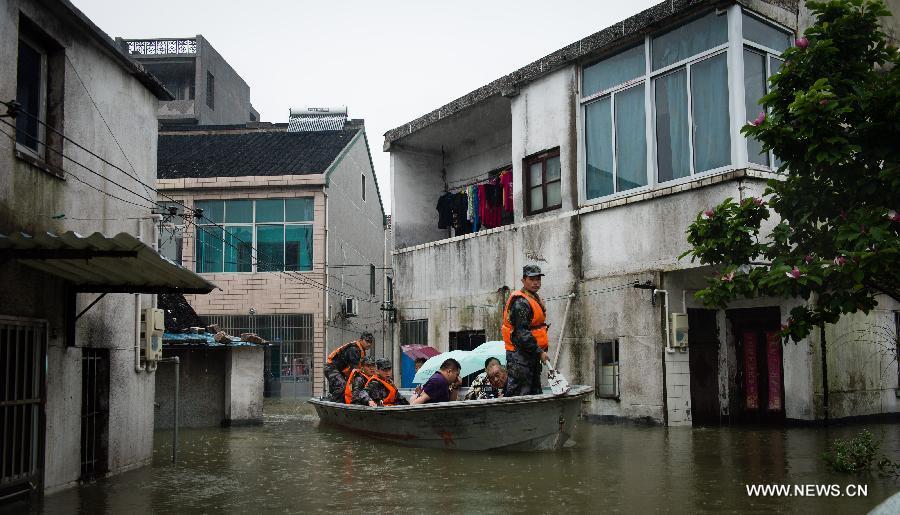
point(381, 387)
point(525, 335)
point(341, 362)
point(356, 386)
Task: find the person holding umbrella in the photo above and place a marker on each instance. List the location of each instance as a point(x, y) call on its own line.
point(525, 335)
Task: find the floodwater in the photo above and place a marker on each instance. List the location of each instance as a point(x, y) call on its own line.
point(292, 464)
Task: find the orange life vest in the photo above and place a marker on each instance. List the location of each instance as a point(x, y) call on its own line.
point(537, 325)
point(346, 369)
point(348, 390)
point(391, 398)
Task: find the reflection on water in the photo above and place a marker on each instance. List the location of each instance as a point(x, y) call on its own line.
point(292, 464)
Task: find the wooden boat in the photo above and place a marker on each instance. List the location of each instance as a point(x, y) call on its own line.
point(527, 423)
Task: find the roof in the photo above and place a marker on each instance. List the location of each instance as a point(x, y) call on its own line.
point(593, 46)
point(131, 66)
point(194, 154)
point(96, 263)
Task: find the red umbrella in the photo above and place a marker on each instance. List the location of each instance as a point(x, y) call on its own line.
point(419, 351)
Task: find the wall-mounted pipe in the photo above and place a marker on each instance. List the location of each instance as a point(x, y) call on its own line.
point(137, 312)
point(665, 295)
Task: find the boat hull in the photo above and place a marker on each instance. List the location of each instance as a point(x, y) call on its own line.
point(527, 423)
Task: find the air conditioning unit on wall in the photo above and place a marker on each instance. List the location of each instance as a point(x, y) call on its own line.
point(152, 331)
point(351, 308)
point(680, 331)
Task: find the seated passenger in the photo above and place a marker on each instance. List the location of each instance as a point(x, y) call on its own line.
point(443, 386)
point(481, 388)
point(497, 376)
point(355, 391)
point(380, 387)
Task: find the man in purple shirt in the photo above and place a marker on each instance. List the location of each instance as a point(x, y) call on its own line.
point(443, 386)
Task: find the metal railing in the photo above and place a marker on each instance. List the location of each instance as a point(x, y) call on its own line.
point(173, 46)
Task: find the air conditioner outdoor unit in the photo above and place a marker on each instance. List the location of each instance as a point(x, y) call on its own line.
point(153, 327)
point(350, 307)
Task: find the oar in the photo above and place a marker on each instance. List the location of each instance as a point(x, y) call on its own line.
point(558, 383)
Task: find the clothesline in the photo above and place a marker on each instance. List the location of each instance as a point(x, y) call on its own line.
point(478, 179)
point(473, 207)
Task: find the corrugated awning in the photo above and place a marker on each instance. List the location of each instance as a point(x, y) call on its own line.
point(96, 263)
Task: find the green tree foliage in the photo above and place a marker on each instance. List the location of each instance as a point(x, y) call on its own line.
point(832, 118)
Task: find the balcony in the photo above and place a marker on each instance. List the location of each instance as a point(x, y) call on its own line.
point(162, 47)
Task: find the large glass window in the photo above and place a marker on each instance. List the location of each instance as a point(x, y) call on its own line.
point(615, 70)
point(672, 147)
point(270, 235)
point(689, 39)
point(764, 34)
point(763, 45)
point(598, 136)
point(709, 110)
point(616, 163)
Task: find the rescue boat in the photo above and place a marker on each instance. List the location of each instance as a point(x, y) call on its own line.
point(527, 423)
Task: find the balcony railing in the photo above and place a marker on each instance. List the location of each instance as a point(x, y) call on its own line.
point(176, 46)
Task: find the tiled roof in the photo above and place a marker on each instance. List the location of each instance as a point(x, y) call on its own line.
point(242, 153)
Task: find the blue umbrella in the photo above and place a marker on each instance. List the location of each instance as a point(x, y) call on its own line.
point(471, 361)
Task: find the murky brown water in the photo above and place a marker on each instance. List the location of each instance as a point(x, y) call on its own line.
point(293, 465)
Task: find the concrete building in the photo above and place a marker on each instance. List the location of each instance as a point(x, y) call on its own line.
point(76, 399)
point(207, 90)
point(303, 261)
point(612, 157)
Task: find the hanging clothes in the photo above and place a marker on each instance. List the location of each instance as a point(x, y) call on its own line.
point(470, 213)
point(476, 205)
point(506, 184)
point(445, 210)
point(460, 207)
point(494, 203)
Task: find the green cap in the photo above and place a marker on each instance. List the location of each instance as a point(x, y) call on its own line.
point(531, 271)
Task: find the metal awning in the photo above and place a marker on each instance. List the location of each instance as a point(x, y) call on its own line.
point(96, 263)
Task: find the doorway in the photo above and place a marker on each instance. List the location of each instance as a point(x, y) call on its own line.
point(759, 378)
point(703, 338)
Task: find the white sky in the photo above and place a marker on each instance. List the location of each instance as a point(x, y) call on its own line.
point(389, 62)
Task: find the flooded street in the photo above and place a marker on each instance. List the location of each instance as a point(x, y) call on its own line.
point(292, 464)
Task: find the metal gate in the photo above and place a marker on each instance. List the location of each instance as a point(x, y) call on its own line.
point(94, 412)
point(22, 361)
point(289, 357)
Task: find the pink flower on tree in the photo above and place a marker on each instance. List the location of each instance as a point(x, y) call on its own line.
point(761, 117)
point(801, 42)
point(708, 213)
point(795, 273)
point(840, 260)
point(893, 215)
point(823, 102)
point(808, 258)
point(727, 278)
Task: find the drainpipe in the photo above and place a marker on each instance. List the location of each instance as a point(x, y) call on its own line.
point(154, 244)
point(137, 313)
point(665, 295)
point(325, 299)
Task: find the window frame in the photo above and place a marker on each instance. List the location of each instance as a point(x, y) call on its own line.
point(41, 152)
point(733, 49)
point(598, 364)
point(253, 226)
point(540, 157)
point(210, 90)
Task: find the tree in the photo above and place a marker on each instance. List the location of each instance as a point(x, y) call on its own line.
point(832, 117)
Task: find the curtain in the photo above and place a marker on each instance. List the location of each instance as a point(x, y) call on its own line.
point(672, 126)
point(709, 94)
point(598, 136)
point(631, 139)
point(754, 89)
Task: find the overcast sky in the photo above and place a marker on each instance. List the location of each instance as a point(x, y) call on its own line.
point(389, 62)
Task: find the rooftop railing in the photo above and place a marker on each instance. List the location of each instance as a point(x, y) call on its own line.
point(172, 46)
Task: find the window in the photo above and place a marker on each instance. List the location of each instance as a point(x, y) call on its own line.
point(372, 279)
point(363, 187)
point(763, 43)
point(606, 369)
point(31, 93)
point(660, 111)
point(171, 234)
point(278, 231)
point(542, 182)
point(390, 290)
point(414, 332)
point(210, 90)
point(40, 79)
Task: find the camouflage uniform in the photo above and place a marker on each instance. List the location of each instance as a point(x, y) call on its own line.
point(359, 395)
point(523, 365)
point(377, 392)
point(349, 357)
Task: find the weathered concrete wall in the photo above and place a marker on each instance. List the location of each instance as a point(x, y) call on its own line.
point(201, 390)
point(416, 185)
point(231, 93)
point(355, 237)
point(244, 386)
point(30, 198)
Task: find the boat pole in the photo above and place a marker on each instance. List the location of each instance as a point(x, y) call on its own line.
point(562, 330)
